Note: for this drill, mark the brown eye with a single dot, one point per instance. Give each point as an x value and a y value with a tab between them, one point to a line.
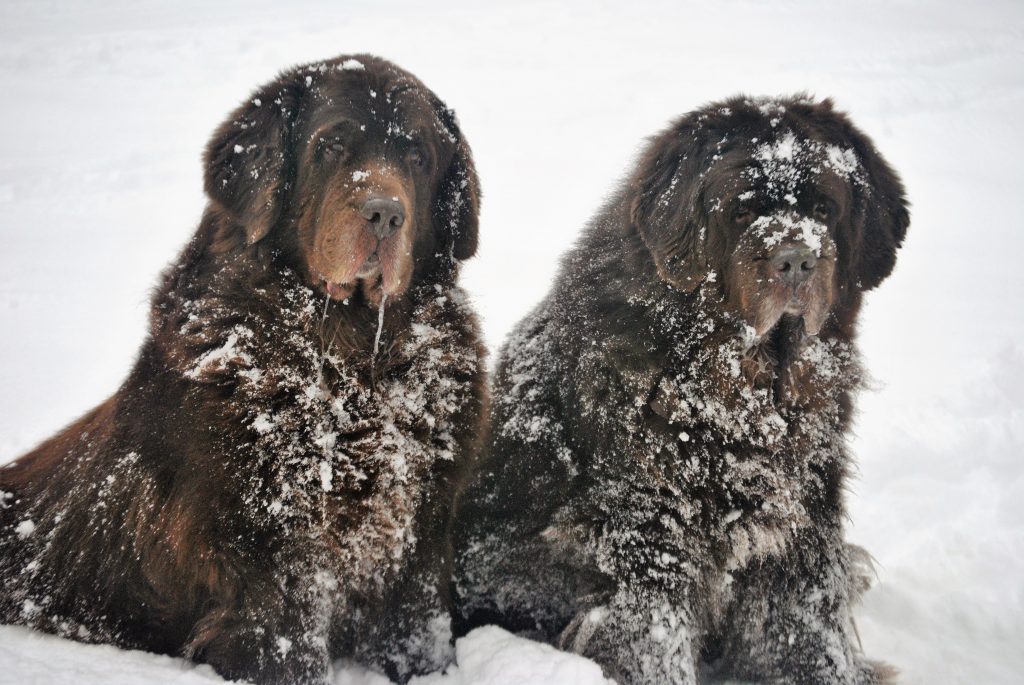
743	215
417	158
822	211
332	148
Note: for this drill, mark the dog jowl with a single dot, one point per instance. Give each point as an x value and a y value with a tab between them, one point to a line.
271	486
663	485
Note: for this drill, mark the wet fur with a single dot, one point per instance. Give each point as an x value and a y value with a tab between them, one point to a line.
262	493
662	489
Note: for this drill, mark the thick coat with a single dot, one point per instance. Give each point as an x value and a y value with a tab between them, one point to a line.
272	485
662	489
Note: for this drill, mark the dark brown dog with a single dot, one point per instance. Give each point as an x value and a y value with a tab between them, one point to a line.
271	486
664	483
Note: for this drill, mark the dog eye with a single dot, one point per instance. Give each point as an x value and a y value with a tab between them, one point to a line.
333	148
743	215
822	211
417	158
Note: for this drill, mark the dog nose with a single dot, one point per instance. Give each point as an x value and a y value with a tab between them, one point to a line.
794	264
385	216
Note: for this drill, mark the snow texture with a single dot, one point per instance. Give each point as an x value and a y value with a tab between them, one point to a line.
643	545
108	105
487	656
341	470
800	229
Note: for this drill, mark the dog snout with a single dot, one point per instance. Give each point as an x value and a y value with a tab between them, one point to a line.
385	216
793	264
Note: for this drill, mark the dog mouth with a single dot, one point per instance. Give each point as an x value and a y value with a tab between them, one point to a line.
792	305
763	294
789	318
369	268
336	291
797	304
369	276
800	308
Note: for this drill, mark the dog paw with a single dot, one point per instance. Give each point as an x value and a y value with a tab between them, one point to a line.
877	673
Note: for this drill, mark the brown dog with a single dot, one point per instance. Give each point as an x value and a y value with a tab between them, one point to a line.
664	484
271	486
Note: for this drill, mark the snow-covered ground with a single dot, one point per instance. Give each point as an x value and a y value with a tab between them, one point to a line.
106	106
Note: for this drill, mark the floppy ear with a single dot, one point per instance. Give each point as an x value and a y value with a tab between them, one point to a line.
882	212
457	205
662	208
245	160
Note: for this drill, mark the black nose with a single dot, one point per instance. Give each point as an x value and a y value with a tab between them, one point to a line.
793	264
385	216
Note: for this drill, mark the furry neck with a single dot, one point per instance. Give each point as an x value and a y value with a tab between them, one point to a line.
785	368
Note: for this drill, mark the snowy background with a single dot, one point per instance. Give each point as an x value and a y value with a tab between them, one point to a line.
107	105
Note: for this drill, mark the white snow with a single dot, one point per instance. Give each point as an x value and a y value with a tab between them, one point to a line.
221	357
841	160
488	656
326	476
101	185
802	229
263	423
25	528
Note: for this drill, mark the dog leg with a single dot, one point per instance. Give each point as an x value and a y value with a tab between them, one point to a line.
638	638
414	636
275	633
792	622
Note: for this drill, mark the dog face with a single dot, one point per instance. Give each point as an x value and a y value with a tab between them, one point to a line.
782	204
355	169
775	207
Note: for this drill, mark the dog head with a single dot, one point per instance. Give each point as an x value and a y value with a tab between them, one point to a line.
781	204
354	170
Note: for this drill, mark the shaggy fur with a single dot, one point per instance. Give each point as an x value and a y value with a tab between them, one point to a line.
271	487
663	487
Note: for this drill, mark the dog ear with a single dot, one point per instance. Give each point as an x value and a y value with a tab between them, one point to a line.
663	205
245	160
882	210
457	204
